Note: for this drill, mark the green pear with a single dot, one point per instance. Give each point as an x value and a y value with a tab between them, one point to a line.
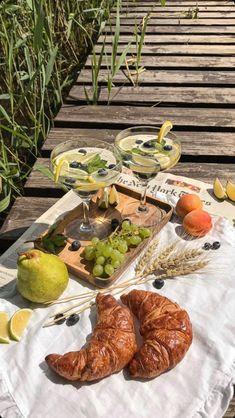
41	277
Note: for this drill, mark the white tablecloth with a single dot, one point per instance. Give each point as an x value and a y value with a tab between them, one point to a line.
200	386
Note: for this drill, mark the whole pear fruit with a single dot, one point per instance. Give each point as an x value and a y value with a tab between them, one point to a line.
41	277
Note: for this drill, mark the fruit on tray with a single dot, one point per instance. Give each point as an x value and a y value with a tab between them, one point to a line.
218	189
109	254
197	223
4	335
108	197
41	277
110	348
166	330
19	322
230	190
104	199
187	203
113	196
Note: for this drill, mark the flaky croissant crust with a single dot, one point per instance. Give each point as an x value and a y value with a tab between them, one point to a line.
111	347
166	331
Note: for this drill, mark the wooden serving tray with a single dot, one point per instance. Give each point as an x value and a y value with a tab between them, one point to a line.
160	214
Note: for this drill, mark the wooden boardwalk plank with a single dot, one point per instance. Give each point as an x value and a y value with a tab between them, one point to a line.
23	213
175	15
175	39
172	77
202	143
170	62
162	49
186	117
174	8
169	95
162	22
176	29
186	3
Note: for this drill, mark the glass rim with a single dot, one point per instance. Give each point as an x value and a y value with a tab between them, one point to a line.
147	127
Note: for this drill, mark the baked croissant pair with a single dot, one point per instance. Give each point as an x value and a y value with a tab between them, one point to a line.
165	327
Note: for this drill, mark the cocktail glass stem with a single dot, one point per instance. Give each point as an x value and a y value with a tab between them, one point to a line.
142	206
86	225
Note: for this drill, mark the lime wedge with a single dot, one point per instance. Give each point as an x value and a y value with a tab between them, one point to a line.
19	322
4	336
165	128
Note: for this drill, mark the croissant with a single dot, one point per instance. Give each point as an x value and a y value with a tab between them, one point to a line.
166	331
111	347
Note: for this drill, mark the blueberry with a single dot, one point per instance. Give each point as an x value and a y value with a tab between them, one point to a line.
74	164
167	147
114	224
103	172
111	166
69	180
215	245
61	321
75	245
158	283
83	151
207	246
149	144
139	141
72	320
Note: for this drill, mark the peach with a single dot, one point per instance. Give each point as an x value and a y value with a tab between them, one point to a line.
187	203
197	223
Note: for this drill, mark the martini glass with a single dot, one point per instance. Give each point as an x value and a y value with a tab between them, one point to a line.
145	157
86	166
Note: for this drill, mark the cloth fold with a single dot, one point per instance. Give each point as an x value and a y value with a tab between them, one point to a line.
199	386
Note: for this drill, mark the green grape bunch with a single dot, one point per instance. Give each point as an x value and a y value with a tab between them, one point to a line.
109	254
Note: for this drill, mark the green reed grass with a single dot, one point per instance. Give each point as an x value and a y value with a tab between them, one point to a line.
42	45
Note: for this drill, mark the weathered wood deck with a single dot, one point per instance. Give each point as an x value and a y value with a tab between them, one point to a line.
189	78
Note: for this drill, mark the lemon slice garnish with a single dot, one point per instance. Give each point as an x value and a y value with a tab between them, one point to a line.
61	164
19	322
4	336
230	190
165	128
218	189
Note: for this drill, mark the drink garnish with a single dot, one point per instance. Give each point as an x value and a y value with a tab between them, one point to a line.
165	128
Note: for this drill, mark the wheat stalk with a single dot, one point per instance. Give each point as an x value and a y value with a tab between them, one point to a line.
179	258
146	257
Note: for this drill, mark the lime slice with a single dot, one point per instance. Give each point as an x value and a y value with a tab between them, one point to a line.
126	144
151	150
142	160
4	336
19	322
165	128
87	187
164	161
